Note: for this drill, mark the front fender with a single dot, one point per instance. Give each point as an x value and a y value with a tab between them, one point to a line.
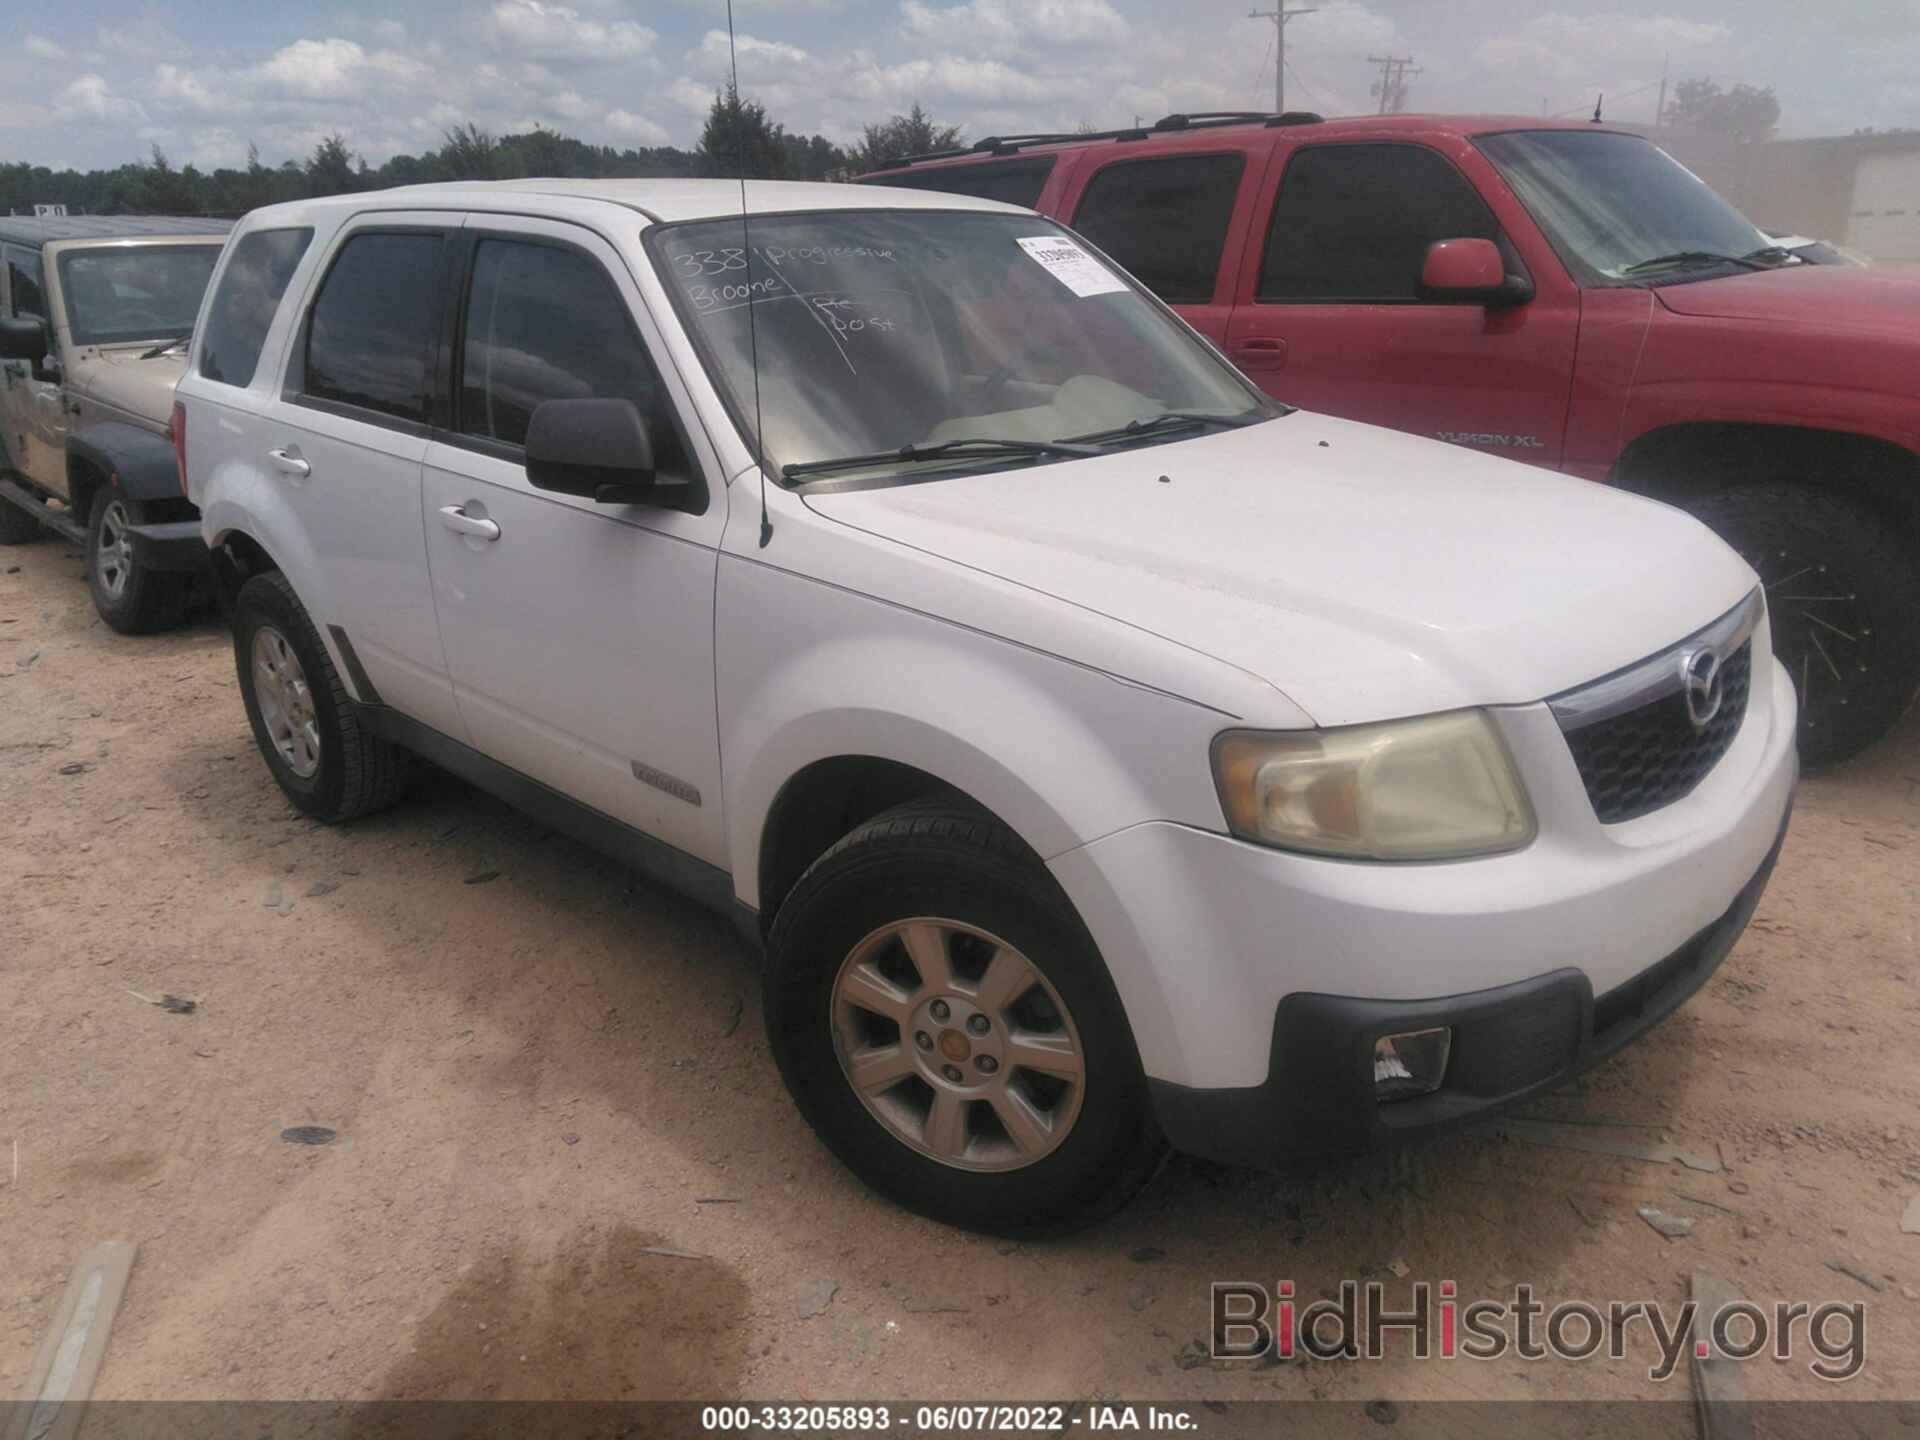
141	461
1060	752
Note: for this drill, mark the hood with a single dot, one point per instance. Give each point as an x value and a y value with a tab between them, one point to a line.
1364	573
1833	297
121	379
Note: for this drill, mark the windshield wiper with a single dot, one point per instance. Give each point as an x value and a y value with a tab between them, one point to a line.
1698	257
1165	420
166	345
973	445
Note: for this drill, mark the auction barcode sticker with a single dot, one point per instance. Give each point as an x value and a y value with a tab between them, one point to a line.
1070	265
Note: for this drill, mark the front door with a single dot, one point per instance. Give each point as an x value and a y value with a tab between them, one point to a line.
36	425
1331	316
579	635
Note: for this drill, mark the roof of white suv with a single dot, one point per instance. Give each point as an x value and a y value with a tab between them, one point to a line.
660	200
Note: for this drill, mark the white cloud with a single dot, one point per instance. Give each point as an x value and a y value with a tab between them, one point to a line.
173	84
756	55
629	126
542	30
691	95
1005	25
42	48
1564	47
91	98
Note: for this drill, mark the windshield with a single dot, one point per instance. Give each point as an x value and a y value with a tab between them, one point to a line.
1611	202
134	292
884	329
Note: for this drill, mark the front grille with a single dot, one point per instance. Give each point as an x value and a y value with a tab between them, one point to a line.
1634	763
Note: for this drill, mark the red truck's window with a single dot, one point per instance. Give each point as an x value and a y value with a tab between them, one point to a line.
1165	220
1353	223
1013	182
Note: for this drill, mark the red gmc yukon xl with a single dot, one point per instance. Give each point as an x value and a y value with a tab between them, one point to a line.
1564	294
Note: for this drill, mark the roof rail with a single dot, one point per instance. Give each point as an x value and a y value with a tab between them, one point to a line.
1190	120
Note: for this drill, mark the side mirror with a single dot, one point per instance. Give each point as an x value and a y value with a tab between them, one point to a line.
599	450
1471	270
23	339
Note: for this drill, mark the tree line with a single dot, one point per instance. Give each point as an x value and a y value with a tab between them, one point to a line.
739	138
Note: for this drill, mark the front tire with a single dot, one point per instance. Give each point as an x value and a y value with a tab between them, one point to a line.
130	597
948	1029
1843	597
323	757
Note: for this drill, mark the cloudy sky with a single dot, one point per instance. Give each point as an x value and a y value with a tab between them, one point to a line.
95	82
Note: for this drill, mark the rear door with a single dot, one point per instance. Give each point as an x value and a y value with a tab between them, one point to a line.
579	635
36	423
1330	315
340	446
1176	221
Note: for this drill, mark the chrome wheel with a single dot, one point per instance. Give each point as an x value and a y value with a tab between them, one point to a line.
113	551
957	1045
286	703
1821	630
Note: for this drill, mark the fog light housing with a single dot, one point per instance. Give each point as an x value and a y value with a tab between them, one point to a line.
1414	1062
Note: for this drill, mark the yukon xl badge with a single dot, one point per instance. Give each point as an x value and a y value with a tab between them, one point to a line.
1703	684
1492	439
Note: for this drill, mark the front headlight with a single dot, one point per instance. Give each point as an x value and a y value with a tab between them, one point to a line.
1435	788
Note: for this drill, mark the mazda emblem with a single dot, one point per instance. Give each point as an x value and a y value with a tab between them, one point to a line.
1703	685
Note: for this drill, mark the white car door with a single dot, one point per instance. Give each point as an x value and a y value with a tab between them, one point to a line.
341	443
579	635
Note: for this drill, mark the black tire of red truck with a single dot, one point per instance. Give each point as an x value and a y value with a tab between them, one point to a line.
1843	599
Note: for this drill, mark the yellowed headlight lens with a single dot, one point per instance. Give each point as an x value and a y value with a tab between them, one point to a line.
1435	788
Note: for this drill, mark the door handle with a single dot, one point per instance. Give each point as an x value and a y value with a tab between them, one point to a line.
461	523
1261	352
289	461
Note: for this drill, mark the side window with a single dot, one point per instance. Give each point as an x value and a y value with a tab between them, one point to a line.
371	330
1353	222
1165	220
23	279
1016	182
250	290
546	323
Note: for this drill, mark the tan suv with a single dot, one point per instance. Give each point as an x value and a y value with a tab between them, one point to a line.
95	312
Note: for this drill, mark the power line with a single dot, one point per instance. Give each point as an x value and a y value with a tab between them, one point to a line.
1280	15
1319	100
1391	87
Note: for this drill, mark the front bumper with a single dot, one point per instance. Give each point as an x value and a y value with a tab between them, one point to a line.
176	546
1509	1043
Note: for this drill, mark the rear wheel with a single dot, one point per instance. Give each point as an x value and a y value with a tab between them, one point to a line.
1843	596
949	1031
130	597
325	759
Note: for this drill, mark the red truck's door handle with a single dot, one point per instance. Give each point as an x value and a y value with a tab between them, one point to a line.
1260	352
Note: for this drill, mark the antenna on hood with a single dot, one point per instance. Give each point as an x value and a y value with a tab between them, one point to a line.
1597	100
746	245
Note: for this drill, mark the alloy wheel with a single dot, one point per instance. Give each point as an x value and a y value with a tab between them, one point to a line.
286	702
958	1045
113	552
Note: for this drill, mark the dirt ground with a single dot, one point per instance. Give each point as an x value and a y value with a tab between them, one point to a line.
543	1071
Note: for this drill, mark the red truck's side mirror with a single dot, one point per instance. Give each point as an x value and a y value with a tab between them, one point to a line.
1471	270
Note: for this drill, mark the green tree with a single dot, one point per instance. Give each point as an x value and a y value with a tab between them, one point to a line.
739	140
330	169
913	133
1748	111
469	153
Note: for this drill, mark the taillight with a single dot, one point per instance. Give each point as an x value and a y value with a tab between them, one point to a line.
177	428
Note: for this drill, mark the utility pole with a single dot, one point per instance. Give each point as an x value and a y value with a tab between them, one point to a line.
1392	85
1660	110
1280	15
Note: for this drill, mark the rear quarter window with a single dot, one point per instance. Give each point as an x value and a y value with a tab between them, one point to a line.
1012	182
250	291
